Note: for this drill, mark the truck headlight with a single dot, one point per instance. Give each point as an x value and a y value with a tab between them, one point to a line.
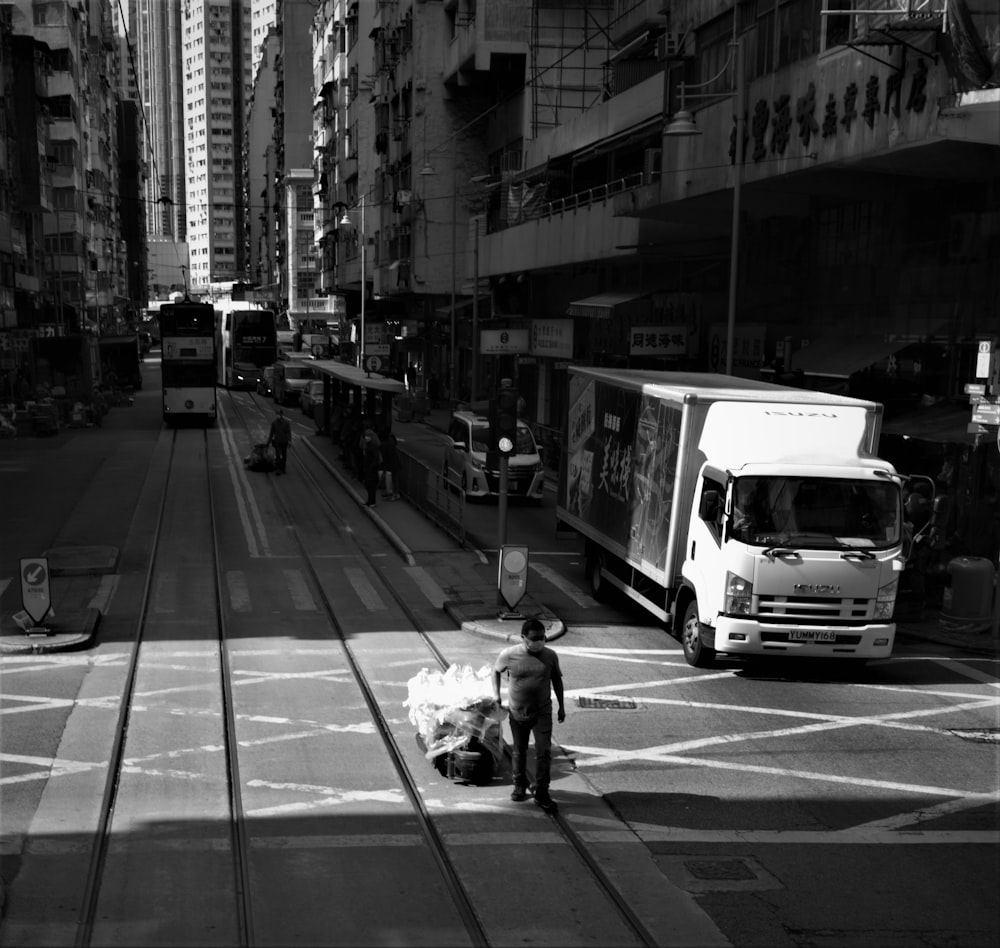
739	592
886	601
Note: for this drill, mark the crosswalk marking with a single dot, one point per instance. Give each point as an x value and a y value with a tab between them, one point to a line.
165	592
547	573
239	594
298	589
366	592
426	584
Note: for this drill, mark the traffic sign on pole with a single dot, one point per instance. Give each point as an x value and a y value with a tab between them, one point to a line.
35	595
512	576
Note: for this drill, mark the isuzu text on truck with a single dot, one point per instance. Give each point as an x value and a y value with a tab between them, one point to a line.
750	518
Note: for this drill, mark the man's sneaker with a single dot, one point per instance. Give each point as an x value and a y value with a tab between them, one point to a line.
546	802
519	794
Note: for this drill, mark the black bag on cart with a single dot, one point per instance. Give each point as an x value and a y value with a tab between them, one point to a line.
261	458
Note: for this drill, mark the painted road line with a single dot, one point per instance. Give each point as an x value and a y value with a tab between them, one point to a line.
425	583
366	592
239	593
554	577
298	589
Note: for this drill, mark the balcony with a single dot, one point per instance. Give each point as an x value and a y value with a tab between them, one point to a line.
479	37
574	229
634	17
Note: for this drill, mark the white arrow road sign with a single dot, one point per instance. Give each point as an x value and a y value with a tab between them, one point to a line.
35	595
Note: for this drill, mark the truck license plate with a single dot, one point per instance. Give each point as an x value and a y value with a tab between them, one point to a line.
812	635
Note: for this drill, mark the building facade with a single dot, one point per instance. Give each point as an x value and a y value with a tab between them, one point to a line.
217	85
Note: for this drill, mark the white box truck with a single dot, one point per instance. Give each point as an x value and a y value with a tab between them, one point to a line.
750	518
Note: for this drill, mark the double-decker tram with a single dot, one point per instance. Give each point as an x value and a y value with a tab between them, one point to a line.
247	341
187	338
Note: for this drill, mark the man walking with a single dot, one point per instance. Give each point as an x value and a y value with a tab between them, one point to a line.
281	437
533	674
371	461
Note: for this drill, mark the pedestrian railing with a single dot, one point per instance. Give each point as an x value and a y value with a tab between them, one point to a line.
425	489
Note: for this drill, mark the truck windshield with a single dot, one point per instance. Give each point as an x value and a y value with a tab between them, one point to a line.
816	512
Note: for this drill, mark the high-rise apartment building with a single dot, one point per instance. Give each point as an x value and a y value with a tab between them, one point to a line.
217	81
155	37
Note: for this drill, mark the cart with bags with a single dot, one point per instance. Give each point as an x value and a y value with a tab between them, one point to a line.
261	458
458	721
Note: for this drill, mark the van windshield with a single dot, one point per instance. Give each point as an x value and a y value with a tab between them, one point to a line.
816	512
298	372
481	439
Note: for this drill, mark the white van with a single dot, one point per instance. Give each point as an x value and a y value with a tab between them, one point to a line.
465	460
290	378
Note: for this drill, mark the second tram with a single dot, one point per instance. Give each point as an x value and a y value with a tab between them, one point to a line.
187	338
247	341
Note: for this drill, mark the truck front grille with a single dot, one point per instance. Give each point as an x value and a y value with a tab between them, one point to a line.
806	610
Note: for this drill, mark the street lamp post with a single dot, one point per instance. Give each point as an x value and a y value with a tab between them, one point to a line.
682	126
345	221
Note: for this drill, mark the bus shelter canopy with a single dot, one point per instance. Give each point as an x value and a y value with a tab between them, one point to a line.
353	375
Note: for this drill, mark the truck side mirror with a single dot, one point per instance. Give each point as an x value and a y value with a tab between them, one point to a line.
939	511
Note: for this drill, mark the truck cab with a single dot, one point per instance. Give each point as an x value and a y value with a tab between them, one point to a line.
810	559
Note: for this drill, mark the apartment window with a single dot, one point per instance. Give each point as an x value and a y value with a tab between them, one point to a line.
49	14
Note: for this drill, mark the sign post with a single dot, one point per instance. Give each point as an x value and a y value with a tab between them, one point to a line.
35	594
512	578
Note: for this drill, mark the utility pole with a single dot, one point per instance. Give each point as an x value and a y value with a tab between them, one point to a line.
475	315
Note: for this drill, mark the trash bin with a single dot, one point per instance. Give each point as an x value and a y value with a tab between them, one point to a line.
968	592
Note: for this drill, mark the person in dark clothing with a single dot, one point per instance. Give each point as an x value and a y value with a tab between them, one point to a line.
280	436
533	673
372	460
390	465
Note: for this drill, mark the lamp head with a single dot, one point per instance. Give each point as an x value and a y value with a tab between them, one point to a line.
427	169
682	125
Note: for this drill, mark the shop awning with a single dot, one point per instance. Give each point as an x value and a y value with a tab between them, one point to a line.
604	305
945	423
843	355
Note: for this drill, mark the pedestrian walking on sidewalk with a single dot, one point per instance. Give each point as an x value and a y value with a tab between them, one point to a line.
280	436
372	459
533	673
390	464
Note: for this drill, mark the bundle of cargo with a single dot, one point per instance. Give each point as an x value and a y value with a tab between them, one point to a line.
458	721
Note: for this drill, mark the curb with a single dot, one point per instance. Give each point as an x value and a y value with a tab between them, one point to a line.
86	623
473	616
391	534
81	560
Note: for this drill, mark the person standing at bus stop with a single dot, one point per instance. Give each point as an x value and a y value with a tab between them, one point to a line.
533	674
281	437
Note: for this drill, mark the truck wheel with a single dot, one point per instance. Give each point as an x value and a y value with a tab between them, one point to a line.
695	651
600	588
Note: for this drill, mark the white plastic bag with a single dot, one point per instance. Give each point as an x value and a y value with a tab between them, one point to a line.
450	709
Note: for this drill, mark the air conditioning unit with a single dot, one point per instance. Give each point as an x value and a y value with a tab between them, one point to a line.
675	46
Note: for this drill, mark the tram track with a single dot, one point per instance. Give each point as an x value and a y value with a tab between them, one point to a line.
92	909
442	856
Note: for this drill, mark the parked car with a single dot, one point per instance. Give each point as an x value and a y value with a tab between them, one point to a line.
265	384
466	464
290	378
312	395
